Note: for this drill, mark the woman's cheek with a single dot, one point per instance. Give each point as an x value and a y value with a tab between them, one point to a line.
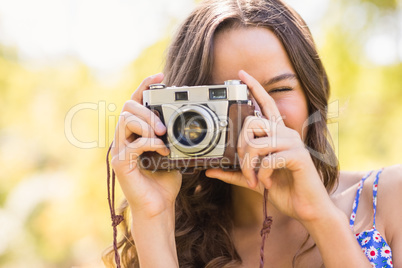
294	113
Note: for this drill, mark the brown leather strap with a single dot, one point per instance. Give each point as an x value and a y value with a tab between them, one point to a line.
116	219
266	227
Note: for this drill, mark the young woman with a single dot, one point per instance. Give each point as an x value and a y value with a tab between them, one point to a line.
321	217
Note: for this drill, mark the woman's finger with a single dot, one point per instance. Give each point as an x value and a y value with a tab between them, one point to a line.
133	150
266	169
252	127
249	149
231	177
288	160
146	115
137	126
128	125
121	134
248	165
257	127
154	79
252	158
266	103
260	147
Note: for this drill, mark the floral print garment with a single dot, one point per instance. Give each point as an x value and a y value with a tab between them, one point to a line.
373	244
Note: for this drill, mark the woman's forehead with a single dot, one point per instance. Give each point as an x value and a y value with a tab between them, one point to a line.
254	49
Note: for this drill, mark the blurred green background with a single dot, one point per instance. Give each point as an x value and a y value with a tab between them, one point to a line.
58	112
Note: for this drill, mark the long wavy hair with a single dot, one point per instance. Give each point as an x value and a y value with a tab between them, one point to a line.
203	206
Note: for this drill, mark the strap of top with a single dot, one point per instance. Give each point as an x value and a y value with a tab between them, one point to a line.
375	188
357	198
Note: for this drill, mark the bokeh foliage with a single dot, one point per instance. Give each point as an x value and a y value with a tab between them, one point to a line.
53	194
369	94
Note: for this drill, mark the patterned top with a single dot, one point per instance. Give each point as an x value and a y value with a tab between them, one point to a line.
373	244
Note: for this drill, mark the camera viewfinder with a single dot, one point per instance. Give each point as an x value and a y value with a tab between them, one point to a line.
217	93
181	95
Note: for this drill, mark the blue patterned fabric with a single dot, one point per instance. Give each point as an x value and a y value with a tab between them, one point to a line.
373	244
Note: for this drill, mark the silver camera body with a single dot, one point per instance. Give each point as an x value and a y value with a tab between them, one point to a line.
199	124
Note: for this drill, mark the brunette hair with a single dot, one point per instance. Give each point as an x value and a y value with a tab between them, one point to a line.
203	206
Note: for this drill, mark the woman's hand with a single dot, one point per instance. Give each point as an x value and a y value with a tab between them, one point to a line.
295	187
284	164
149	193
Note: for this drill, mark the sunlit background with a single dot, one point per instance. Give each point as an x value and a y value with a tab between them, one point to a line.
67	66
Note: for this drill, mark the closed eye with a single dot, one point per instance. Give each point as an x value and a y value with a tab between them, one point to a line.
281	89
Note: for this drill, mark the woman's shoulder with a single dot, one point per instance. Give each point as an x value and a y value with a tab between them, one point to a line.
390	179
389	200
389	196
389	216
348	180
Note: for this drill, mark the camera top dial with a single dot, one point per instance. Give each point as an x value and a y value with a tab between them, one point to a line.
157	86
232	82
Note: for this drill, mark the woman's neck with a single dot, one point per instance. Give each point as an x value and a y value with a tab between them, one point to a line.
285	239
248	208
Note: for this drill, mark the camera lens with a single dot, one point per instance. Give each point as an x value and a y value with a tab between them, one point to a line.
190	128
193	130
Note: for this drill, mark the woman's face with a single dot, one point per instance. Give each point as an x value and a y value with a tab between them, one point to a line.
260	53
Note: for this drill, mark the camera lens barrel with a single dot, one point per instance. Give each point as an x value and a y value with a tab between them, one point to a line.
194	129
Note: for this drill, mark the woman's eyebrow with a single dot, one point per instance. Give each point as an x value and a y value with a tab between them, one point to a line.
279	78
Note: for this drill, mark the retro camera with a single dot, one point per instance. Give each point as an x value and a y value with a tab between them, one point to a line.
203	124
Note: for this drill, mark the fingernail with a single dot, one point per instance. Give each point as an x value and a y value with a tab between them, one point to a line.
155	75
167	151
160	127
244	72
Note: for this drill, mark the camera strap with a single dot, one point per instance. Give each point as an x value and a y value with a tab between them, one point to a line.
266	227
116	219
